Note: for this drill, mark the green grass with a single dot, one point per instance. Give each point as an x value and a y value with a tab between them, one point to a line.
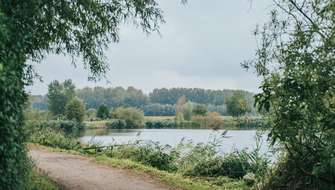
173	180
41	182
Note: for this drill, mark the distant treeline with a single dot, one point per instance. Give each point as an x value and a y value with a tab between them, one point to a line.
158	102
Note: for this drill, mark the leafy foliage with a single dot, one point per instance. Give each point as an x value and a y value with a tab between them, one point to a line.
75	110
199	110
103	112
117	124
133	117
52	137
296	59
30	29
59	95
237	104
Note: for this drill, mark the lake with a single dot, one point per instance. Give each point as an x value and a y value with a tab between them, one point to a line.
234	139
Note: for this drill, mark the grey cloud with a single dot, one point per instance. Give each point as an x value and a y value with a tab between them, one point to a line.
201	45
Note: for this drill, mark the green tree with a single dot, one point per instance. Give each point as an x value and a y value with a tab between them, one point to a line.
32	28
296	60
103	112
59	94
199	109
75	110
133	117
237	104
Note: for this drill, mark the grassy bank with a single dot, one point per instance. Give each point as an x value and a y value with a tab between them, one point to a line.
39	181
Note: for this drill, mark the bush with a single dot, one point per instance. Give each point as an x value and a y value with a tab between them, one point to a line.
234	165
286	175
116	124
149	154
199	109
68	127
103	112
213	120
75	110
133	117
53	138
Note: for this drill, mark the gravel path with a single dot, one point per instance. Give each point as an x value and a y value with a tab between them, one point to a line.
75	172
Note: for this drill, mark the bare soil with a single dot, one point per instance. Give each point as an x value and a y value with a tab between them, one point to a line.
75	172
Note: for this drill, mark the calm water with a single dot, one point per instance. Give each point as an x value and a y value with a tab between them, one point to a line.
234	139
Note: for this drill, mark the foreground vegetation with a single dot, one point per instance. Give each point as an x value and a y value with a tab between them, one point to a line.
39	181
187	166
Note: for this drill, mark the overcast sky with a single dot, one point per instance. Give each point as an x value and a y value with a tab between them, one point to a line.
201	45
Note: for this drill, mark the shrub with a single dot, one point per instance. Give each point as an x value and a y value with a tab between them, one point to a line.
68	127
103	112
149	154
233	165
203	160
53	138
75	110
116	124
133	117
213	120
199	109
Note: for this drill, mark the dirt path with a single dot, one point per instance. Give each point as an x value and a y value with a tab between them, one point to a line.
81	173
